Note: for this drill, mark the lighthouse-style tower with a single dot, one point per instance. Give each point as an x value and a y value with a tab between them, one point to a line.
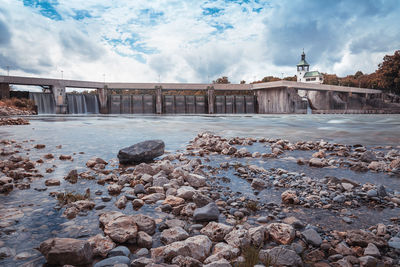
304	75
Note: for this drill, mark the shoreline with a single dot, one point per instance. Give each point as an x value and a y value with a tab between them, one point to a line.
207	172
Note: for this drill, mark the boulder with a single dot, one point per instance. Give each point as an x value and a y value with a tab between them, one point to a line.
145	223
72	177
144	240
377	166
363	238
52	182
372	250
281	256
196	180
216	231
141	152
186	261
101	245
121	229
316	162
113	261
282	233
173	234
207	213
312	237
119	251
66	251
197	247
185	192
290	197
257	235
173	201
219	263
368	156
239	238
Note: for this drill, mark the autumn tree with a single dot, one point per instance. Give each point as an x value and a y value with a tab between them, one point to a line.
389	72
222	80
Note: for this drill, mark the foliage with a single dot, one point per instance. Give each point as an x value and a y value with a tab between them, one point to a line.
252	205
20	103
242	82
389	72
251	257
222	80
387	77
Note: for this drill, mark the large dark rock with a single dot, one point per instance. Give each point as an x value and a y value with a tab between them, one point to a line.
141	152
66	251
207	213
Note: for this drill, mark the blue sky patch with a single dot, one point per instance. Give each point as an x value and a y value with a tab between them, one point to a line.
81	14
212	11
46	8
221	27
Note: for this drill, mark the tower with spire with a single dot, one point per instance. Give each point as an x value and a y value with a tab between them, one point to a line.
304	75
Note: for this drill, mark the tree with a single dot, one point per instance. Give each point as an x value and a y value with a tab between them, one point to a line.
242	82
389	72
222	80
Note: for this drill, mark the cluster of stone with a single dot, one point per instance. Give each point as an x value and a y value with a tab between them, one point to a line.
13	121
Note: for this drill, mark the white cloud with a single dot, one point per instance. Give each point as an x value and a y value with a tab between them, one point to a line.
189	41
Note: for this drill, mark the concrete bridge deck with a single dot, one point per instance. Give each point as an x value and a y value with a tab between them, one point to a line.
18	80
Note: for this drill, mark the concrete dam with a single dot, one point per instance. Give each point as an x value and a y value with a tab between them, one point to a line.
280	97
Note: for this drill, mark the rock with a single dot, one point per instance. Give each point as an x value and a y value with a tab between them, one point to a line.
160	181
223	250
372	193
114	189
293	221
339	199
142	262
153	198
368	261
347	186
368	156
39	146
372	250
141	152
320	154
6	252
316	162
173	234
121	229
219	263
145	223
196	180
281	233
6	180
185	192
144	240
280	256
257	183
395	164
113	261
72	176
101	245
312	237
239	238
201	200
290	197
186	261
197	247
381	191
121	202
207	213
216	231
66	251
139	189
394	242
119	251
137	203
52	182
257	235
363	238
142	252
94	161
173	201
377	166
65	157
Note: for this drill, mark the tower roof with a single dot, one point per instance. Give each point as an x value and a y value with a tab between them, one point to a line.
303	61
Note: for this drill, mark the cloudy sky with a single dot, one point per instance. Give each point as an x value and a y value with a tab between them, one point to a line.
193	40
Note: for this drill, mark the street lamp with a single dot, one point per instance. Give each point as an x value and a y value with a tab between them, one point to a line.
8	70
62	74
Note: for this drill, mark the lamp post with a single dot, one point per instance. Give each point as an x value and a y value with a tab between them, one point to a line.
62	74
8	70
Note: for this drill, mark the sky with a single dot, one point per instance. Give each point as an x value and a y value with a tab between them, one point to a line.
193	41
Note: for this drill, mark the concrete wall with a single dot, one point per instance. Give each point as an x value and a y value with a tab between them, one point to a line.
280	100
4	90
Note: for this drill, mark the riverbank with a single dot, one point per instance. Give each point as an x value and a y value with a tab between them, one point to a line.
15	107
270	197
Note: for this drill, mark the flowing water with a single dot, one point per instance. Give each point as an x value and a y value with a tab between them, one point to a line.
82	104
44	101
103	136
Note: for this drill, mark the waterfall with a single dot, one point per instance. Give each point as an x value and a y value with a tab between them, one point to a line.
44	102
309	110
82	104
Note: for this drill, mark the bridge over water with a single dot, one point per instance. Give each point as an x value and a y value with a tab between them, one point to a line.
271	97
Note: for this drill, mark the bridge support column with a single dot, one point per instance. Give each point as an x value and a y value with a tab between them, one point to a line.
211	99
103	99
60	98
4	90
158	99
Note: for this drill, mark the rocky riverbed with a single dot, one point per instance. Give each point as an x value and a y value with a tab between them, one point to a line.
221	202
